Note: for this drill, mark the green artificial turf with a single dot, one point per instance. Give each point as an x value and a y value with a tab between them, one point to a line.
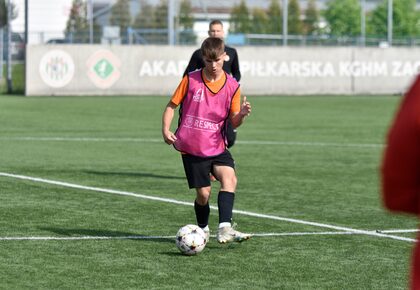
308	177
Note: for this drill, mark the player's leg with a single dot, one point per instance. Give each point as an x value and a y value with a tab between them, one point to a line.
223	169
202	209
197	170
227	177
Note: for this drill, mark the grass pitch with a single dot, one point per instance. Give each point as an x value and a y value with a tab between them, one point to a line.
110	196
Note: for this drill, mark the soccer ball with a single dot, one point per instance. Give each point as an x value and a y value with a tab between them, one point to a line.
190	240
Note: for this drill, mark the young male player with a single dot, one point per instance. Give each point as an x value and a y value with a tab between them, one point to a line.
208	98
230	66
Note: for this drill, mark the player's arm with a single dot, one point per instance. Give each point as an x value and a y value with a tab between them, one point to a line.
168	115
236	117
169	112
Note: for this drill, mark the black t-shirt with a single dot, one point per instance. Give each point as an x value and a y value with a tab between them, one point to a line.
231	65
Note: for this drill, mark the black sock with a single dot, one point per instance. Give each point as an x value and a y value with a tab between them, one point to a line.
202	213
225	203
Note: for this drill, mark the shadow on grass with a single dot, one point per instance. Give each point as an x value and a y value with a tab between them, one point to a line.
92	233
212	246
133	174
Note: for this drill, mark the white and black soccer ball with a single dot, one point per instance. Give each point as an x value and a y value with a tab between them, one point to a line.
190	240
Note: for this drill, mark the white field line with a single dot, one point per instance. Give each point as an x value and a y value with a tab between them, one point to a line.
398	231
141	237
319	144
173	201
152	140
85	238
138	237
82	139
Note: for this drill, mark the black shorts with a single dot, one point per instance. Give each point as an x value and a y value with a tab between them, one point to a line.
198	169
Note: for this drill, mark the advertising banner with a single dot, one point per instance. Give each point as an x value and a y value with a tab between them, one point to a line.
157	70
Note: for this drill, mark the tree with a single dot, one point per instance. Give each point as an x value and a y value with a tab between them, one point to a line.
120	16
259	21
161	15
275	24
294	23
239	19
77	24
343	17
310	23
151	23
418	21
146	17
186	19
186	23
3	13
405	19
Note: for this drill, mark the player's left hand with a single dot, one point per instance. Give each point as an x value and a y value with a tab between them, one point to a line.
245	108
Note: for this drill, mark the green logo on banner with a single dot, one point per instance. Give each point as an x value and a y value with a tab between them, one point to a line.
103	68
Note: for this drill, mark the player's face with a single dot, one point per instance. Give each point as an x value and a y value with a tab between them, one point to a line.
214	67
216	30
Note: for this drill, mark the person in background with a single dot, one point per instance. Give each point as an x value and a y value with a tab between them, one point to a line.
400	171
207	98
230	66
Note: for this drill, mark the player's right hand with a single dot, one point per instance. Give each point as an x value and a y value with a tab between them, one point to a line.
169	137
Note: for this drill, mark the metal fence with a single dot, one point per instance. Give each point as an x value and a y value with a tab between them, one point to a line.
327	40
160	37
54	26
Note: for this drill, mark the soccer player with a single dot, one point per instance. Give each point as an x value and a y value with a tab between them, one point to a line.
207	98
230	65
401	166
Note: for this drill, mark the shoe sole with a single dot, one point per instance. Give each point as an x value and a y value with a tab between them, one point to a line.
236	240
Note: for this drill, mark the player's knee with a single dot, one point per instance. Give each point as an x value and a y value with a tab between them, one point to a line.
203	196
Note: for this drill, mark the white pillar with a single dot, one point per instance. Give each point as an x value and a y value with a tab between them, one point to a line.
90	17
363	23
9	47
285	17
171	22
390	22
